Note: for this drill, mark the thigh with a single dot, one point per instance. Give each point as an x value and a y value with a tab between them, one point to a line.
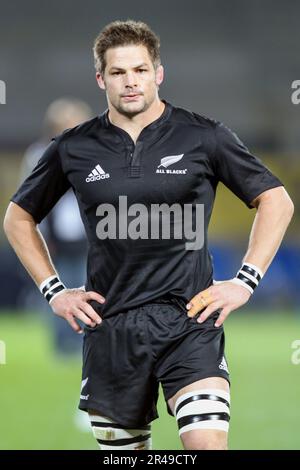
209	383
202	410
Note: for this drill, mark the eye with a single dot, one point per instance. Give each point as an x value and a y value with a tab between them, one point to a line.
142	70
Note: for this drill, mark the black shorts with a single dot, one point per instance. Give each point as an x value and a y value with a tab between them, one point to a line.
128	355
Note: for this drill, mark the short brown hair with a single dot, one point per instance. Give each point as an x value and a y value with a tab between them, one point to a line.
123	33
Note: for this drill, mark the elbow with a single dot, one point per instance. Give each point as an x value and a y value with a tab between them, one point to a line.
7	223
288	208
278	201
292	209
14	220
286	211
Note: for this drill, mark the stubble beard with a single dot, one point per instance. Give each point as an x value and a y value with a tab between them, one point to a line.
124	108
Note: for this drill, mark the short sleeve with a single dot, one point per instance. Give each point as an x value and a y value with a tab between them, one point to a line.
243	173
44	186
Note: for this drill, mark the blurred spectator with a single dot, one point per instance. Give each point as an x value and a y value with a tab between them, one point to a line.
63	228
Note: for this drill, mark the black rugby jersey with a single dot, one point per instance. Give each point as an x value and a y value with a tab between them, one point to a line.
178	159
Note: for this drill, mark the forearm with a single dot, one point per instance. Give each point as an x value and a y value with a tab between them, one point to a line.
30	247
28	243
274	213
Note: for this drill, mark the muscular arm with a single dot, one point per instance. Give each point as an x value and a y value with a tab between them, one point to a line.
29	245
274	212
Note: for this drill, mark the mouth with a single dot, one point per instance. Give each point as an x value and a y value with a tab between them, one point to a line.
131	96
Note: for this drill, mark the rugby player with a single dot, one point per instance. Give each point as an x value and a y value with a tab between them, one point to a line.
151	312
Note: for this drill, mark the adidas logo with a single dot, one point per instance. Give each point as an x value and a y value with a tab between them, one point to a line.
170	160
97	174
223	365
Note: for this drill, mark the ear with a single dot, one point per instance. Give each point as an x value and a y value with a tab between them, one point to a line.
100	80
159	75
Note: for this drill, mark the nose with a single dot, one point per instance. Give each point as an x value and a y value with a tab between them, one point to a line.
130	80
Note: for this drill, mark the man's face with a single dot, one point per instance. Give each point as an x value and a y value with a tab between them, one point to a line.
130	80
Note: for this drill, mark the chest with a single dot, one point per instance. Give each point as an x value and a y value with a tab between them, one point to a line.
167	169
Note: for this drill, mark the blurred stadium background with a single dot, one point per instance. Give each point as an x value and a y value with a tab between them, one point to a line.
234	61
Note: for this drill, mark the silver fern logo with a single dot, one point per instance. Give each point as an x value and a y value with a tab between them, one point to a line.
170	160
167	161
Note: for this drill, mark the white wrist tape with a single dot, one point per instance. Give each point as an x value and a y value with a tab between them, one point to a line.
248	276
51	288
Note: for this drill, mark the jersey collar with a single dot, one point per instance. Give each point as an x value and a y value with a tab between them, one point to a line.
153	125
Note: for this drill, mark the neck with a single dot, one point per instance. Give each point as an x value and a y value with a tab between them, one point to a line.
135	124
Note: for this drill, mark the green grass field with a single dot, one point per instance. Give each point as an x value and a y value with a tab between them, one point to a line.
39	391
